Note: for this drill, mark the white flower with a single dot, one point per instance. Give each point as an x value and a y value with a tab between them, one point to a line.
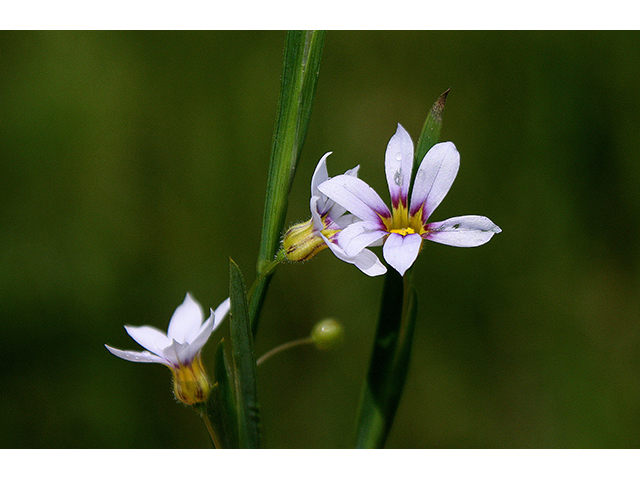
403	228
304	240
179	349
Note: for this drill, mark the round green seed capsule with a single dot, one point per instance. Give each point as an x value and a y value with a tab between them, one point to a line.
327	334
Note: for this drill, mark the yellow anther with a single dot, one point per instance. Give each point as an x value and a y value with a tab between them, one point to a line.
403	231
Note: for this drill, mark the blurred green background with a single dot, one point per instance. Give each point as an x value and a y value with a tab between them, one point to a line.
134	164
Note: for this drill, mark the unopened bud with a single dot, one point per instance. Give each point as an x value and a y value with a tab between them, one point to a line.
302	242
327	334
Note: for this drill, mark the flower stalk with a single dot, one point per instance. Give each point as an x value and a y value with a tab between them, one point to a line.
327	334
215	438
285	346
391	351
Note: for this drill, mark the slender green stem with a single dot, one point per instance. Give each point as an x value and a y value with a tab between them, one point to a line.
212	433
268	270
283	347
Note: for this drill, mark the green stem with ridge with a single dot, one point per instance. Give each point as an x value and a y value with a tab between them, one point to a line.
389	361
211	430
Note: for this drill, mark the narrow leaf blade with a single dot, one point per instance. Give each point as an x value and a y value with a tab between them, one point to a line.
221	407
430	130
389	362
303	50
244	362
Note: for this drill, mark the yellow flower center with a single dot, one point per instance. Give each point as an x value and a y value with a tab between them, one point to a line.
404	224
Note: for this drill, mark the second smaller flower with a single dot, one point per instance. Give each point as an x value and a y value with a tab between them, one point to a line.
304	240
179	349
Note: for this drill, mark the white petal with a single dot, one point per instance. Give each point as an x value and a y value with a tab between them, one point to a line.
353	172
398	163
465	231
377	243
435	176
401	251
149	337
141	357
315	214
369	263
333	210
344	221
320	175
358	236
186	321
324	205
221	312
356	196
366	260
199	342
175	353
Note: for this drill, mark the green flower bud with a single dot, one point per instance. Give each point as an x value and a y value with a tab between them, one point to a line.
302	242
327	334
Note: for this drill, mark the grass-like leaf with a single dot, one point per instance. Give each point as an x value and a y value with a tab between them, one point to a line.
244	362
430	130
389	361
301	69
221	406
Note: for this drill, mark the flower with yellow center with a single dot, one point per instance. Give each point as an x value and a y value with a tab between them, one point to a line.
403	228
305	240
179	349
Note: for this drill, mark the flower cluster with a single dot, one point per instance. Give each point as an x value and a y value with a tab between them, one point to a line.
402	229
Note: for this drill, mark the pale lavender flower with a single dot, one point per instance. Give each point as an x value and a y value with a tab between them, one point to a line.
403	228
179	349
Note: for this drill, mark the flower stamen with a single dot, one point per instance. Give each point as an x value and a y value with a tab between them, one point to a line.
403	231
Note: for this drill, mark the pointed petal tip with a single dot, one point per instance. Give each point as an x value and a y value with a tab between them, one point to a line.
320	174
323	159
221	311
401	130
